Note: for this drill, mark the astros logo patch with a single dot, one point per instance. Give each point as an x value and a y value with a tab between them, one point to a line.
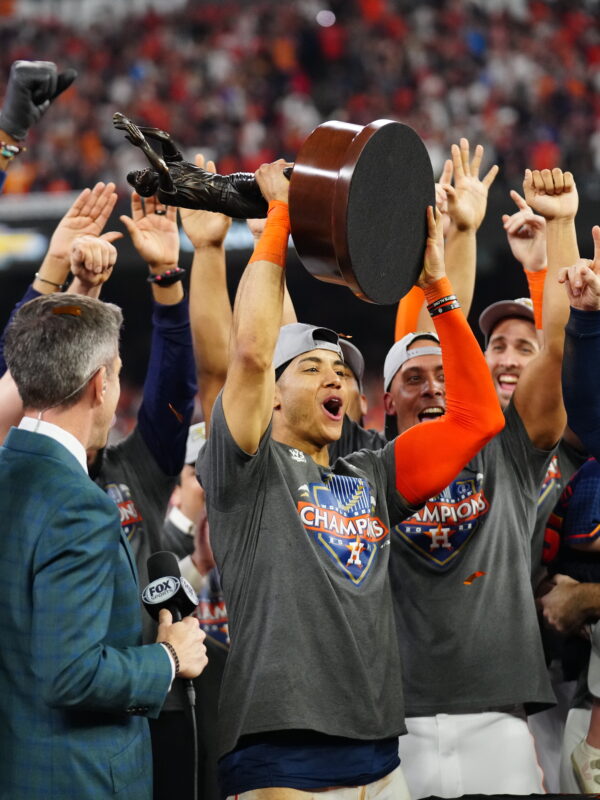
338	516
439	531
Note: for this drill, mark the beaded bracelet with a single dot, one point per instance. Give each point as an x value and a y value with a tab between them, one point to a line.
9	151
171	650
167	278
59	286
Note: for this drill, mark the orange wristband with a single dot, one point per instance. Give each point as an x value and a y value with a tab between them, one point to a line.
535	281
273	243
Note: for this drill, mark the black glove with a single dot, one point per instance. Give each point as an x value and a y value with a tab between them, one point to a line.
32	86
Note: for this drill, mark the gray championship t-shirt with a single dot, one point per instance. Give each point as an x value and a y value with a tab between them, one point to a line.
460	568
303	554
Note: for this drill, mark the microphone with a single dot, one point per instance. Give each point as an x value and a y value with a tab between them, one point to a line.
167	588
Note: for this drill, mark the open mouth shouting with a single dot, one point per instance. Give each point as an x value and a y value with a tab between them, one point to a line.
507	381
333	407
431	412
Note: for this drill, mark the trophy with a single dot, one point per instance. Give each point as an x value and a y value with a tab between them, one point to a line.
358	200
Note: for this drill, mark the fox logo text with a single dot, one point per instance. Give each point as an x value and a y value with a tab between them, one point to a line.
160	590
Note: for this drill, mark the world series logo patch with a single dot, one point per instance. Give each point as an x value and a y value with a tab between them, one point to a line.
440	530
339	515
131	518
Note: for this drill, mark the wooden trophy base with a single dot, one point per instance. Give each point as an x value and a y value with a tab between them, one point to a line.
358	201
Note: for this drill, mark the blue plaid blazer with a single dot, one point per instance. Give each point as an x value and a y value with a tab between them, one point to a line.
75	684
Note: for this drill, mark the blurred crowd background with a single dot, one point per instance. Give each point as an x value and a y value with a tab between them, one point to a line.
246	82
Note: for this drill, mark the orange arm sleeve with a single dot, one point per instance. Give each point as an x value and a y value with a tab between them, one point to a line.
407	315
535	281
431	454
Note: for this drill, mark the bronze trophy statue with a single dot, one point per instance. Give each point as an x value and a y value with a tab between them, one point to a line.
358	199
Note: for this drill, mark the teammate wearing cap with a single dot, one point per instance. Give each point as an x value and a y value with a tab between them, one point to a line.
312	688
472	671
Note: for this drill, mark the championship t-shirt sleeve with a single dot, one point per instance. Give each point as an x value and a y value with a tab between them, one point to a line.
222	465
528	462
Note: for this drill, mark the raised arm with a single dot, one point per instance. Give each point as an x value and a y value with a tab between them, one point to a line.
87	216
466	203
580	375
91	261
32	87
170	386
249	387
210	307
538	396
430	455
526	235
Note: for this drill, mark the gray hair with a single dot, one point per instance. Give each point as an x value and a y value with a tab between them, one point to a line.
54	345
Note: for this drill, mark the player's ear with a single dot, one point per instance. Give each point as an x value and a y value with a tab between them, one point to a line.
364	406
388	404
99	384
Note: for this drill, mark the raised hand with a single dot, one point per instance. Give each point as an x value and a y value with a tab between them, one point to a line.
272	182
551	193
433	262
205	228
153	231
87	216
526	234
92	260
582	279
467	199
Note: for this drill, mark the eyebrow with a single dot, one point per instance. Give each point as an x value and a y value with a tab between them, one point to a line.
317	360
417	368
502	338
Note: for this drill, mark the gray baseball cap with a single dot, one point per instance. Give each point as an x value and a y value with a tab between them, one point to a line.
488	319
354	359
399	353
299	338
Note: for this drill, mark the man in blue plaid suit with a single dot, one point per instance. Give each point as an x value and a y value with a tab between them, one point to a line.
75	684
